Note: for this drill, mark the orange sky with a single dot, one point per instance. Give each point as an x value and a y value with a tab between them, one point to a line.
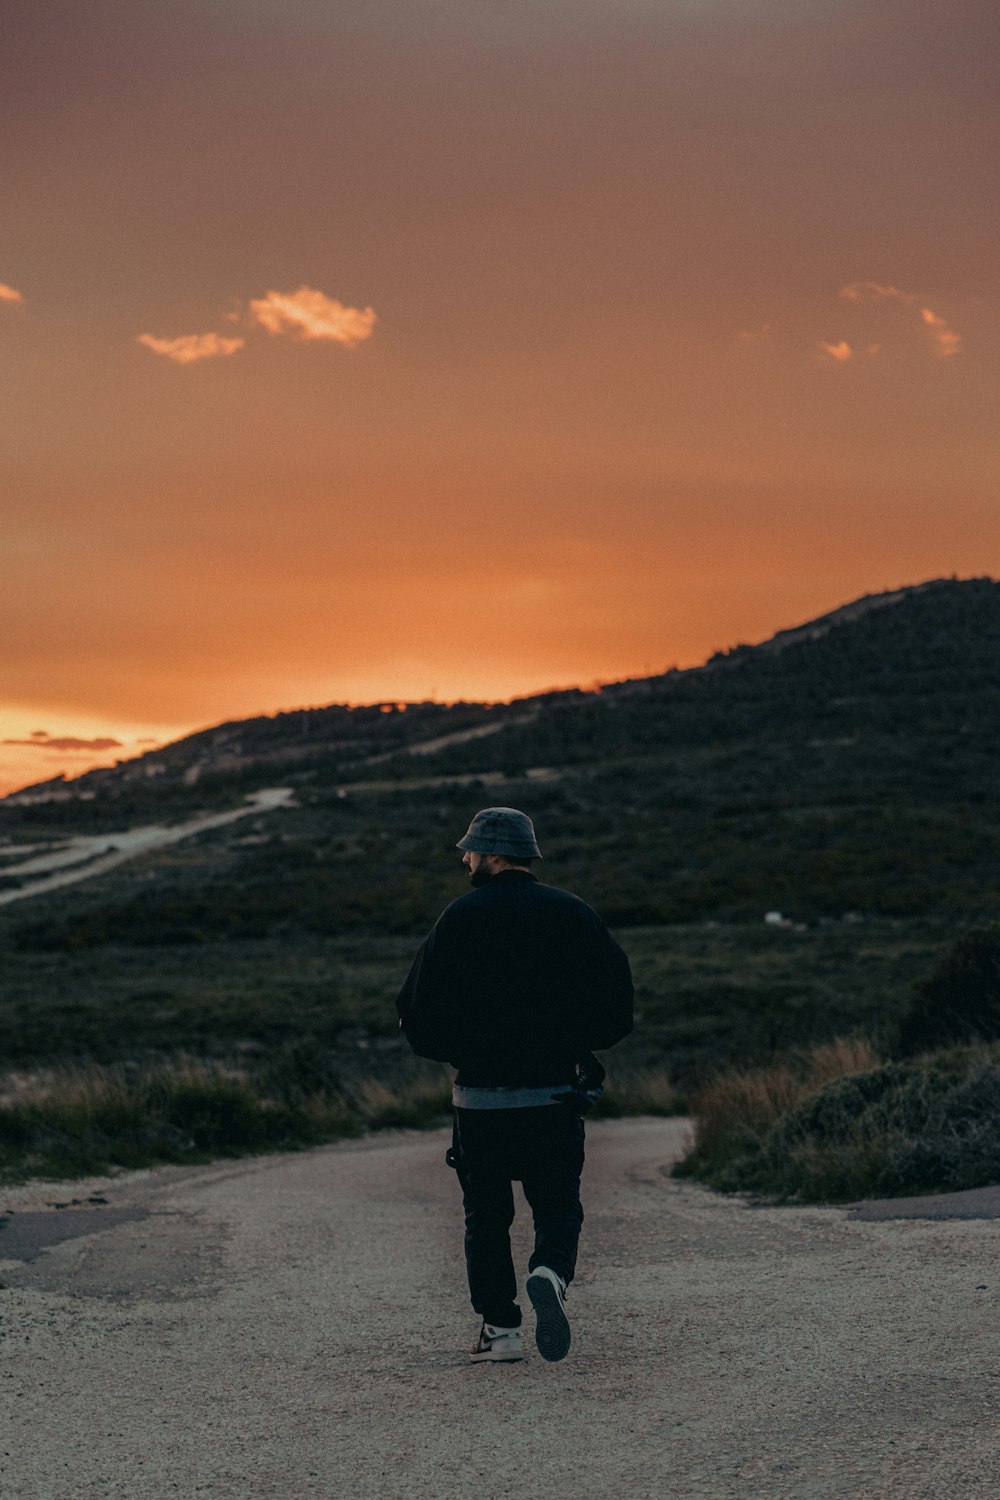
398	348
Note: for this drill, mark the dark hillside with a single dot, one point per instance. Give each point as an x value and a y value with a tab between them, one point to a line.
850	770
918	663
216	767
843	775
926	665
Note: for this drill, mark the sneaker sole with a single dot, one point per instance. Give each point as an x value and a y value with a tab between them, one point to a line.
552	1332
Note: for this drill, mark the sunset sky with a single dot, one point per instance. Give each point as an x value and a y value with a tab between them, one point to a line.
363	349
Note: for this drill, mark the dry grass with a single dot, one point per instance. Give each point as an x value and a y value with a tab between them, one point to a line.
66	1121
738	1109
640	1091
76	1120
60	1122
837	1124
418	1103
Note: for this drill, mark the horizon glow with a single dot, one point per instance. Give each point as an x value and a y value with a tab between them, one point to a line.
363	354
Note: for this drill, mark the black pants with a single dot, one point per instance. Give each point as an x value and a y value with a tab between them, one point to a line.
543	1150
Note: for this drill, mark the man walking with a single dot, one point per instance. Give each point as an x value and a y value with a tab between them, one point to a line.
515	985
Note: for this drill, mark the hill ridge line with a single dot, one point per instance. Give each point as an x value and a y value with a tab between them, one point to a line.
366	734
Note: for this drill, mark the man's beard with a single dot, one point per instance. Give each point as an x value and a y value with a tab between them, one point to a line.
480	875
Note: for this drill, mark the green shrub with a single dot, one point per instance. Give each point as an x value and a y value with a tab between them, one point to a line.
960	1001
91	1119
736	1112
638	1091
924	1126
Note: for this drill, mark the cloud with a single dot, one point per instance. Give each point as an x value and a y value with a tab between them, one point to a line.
190	347
841	352
310	315
305	314
871	291
8	294
42	741
946	341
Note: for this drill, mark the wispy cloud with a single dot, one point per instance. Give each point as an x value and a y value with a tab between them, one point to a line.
309	314
946	341
305	314
9	294
190	347
871	291
841	352
747	335
42	741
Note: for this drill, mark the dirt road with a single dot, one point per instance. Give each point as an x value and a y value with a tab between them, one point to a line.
87	855
296	1326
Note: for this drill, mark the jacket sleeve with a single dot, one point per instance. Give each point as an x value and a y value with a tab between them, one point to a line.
426	1003
612	1010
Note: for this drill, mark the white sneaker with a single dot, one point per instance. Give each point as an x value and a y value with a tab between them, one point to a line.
547	1291
497	1344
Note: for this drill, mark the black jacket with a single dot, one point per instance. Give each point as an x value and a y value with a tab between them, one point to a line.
516	981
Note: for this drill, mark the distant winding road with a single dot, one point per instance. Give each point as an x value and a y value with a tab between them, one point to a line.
87	855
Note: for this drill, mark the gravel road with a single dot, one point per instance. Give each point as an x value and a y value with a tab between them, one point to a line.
296	1326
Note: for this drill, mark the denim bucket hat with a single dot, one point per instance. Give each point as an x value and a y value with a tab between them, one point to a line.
501	830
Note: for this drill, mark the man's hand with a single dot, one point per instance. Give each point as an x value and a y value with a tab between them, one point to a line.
588	1088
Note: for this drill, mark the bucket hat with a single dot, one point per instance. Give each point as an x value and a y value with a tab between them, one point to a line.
501	830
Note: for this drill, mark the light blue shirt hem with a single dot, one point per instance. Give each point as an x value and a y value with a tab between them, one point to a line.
468	1098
